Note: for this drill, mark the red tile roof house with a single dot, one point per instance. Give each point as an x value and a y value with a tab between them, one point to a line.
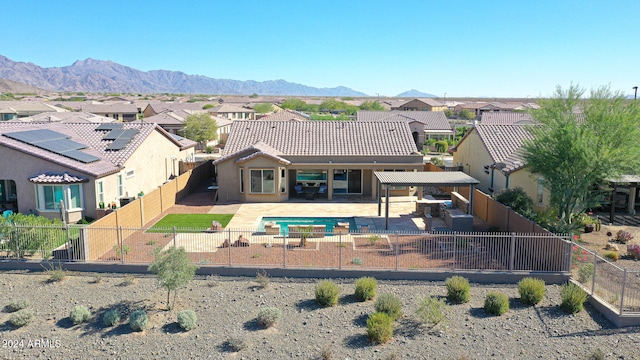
83	164
423	124
273	161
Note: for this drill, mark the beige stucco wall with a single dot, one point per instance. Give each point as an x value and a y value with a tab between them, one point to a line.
473	156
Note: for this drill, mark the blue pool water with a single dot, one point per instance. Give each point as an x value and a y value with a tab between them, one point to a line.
329	222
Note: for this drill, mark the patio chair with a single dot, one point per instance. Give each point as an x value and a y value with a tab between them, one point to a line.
298	189
322	191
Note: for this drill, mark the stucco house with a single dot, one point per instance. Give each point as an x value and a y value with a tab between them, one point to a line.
70	170
10	110
493	155
422	104
273	161
423	124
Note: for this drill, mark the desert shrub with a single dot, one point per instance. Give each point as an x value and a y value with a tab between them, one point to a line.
496	303
531	290
573	298
517	199
585	271
111	317
262	278
357	261
634	251
268	317
138	320
458	289
379	327
327	293
18	305
56	274
366	288
79	314
611	255
174	270
21	318
129	280
597	355
390	305
431	311
441	146
187	319
623	236
236	343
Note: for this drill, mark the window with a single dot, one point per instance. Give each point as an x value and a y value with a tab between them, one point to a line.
120	186
49	197
241	180
130	173
283	180
100	187
262	181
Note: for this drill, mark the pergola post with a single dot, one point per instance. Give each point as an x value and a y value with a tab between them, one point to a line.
471	191
379	198
386	211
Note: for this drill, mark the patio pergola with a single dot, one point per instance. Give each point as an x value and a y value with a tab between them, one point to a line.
631	181
431	178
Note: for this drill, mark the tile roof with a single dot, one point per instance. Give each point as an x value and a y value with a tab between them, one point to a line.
432	120
428	101
286	115
15	107
323	138
110	108
163	106
84	133
77	117
504	144
51	178
229	109
506	118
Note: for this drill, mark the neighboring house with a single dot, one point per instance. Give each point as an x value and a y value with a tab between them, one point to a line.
480	108
159	107
81	165
506	118
120	112
286	115
10	110
272	161
423	124
422	104
232	112
74	117
173	122
493	155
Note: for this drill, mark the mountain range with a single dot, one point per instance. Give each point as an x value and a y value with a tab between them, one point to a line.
416	94
94	76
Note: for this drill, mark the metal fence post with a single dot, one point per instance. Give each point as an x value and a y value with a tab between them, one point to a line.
284	248
69	245
121	245
455	249
624	284
512	252
339	250
229	247
175	234
593	276
397	254
15	227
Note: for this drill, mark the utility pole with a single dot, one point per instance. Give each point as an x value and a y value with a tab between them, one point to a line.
635	92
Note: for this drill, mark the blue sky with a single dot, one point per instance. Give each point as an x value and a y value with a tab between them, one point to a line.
508	48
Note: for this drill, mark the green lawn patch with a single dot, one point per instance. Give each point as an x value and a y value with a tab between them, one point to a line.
195	222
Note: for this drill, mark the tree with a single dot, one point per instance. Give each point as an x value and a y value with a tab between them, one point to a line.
466	114
580	142
200	128
174	270
448	113
371	106
518	200
263	108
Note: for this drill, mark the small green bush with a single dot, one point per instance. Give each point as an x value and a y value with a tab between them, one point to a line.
379	327
79	314
458	289
187	319
531	290
431	311
327	293
496	303
111	317
612	255
138	320
357	261
56	274
390	305
585	271
366	288
573	298
21	318
18	305
236	343
268	317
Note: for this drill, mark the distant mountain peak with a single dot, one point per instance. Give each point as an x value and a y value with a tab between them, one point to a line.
92	75
416	94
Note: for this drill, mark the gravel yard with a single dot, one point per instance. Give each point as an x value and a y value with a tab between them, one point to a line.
227	306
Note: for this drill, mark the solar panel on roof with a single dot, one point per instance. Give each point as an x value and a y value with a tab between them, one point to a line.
109	126
35	136
80	156
60	146
113	134
118	144
129	133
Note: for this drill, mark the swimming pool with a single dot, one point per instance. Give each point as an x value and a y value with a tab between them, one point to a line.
328	222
